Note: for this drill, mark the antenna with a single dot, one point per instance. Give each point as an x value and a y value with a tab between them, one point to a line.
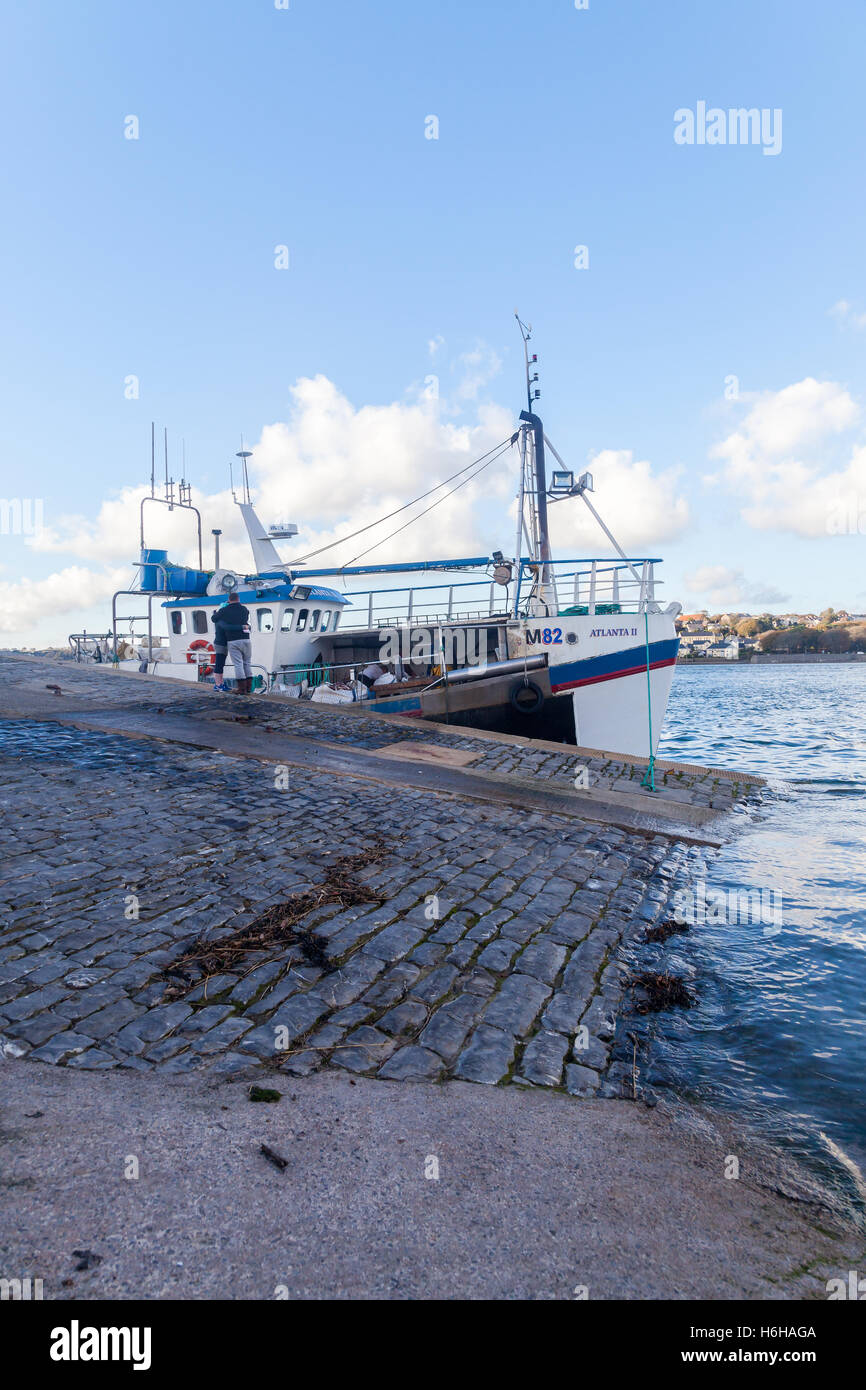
533	392
184	498
243	456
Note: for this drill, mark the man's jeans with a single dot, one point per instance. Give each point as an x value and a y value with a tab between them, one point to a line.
241	653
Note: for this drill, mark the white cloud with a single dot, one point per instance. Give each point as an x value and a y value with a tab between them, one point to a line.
478	368
332	461
641	507
845	313
777	460
26	602
333	468
723	587
794	419
115	531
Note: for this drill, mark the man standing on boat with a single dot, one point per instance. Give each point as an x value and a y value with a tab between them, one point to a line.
233	620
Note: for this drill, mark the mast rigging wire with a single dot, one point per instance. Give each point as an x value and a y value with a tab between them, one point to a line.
439	500
302	559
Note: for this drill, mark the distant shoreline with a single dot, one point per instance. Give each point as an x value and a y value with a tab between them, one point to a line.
803	659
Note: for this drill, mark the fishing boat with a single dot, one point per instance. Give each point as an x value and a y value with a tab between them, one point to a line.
579	651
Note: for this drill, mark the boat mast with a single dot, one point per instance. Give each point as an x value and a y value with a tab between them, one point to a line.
538	494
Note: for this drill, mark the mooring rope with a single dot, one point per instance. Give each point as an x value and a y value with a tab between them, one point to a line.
648	778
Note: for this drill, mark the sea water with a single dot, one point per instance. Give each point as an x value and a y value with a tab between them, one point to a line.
778	1031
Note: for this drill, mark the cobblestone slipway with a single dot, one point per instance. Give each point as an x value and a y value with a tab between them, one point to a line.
494	957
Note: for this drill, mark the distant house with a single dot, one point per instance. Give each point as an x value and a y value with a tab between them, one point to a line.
691	622
695	645
725	651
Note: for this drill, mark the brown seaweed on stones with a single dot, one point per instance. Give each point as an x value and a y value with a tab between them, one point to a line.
661	991
665	930
279	925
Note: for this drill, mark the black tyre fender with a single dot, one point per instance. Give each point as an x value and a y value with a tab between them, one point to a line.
526	697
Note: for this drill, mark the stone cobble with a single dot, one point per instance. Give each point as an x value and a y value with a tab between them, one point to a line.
493	956
353	727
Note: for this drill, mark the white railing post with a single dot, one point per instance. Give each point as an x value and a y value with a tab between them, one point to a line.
370	612
576	587
411	601
615	585
592	584
450	601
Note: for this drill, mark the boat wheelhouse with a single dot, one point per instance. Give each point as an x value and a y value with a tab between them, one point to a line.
286	620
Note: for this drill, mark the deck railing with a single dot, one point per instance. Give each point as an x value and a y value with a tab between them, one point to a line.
623	586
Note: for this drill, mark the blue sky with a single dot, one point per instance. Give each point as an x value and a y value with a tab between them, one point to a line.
305	127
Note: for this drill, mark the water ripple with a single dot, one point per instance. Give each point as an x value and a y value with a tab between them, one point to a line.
779	1031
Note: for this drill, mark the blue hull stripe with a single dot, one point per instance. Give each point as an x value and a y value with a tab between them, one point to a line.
572	674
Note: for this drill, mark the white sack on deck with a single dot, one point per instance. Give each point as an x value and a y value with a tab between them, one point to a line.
327	695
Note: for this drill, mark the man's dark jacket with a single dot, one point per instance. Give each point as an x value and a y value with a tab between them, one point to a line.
230	622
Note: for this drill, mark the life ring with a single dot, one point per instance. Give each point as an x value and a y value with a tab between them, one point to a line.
526	697
204	669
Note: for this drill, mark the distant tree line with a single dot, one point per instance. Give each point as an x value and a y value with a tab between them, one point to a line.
829	633
841	637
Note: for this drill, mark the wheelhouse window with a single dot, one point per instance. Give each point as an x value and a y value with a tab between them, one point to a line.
266	619
177	622
287	619
302	619
336	620
314	619
326	620
199	621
